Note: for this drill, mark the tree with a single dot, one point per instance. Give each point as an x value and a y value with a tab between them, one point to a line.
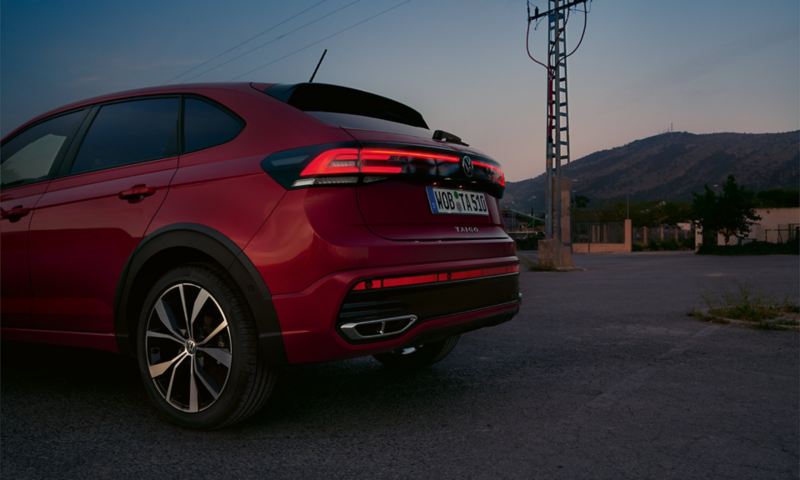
704	212
730	213
581	201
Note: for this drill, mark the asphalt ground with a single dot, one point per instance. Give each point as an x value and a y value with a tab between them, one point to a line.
602	375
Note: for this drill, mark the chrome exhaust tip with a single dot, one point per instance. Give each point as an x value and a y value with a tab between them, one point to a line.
376	329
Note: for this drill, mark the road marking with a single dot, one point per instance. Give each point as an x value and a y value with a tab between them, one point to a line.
641	376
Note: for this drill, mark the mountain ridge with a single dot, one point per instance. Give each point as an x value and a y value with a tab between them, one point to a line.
670	166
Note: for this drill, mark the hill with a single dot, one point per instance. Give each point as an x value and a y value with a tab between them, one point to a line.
671	166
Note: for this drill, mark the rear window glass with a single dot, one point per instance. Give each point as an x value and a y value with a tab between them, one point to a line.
130	132
206	124
359	122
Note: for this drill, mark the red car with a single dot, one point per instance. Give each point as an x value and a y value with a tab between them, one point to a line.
218	231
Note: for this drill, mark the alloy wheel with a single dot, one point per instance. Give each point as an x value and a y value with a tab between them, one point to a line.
188	347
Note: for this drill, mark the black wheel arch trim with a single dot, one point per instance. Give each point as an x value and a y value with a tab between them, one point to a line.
227	254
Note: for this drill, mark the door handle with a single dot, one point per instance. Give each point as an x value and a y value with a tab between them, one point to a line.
15	213
136	193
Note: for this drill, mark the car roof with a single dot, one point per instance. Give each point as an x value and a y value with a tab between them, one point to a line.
198	88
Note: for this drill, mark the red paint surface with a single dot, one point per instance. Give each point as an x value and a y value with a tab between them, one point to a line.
310	246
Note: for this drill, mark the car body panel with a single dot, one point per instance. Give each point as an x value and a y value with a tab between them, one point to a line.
15	270
81	237
299	250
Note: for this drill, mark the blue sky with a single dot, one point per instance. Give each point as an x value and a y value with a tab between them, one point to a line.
702	65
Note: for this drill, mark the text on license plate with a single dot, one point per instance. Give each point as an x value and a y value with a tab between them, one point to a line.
456	202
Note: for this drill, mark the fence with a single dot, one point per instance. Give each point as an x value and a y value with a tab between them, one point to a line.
601	237
662	233
591	232
782	233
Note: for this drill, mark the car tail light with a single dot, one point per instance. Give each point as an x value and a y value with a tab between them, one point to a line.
338	161
389	282
338	165
497	174
372	161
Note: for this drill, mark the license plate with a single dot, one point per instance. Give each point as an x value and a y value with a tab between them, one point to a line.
456	202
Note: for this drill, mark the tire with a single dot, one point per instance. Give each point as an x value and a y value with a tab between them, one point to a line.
201	364
417	357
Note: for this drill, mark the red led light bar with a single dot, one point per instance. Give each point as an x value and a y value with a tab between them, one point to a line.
497	172
409	154
405	281
339	161
382	161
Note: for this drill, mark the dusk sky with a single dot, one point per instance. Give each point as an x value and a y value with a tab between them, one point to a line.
702	65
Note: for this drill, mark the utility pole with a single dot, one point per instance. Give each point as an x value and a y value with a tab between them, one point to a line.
558	251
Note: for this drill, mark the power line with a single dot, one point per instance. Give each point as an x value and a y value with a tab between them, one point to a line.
265	65
557	146
585	11
274	39
583	32
528	46
260	34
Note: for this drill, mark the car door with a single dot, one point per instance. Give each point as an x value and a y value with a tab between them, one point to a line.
28	160
90	220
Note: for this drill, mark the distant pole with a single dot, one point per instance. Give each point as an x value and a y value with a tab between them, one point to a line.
311	80
627	205
557	148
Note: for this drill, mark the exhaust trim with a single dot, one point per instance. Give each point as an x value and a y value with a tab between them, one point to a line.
351	330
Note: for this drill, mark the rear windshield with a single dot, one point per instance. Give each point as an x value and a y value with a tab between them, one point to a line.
354	108
359	122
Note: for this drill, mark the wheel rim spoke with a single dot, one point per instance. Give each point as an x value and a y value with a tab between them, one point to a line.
161	311
192	388
160	368
183	308
222	326
207	383
199	301
220	355
172	377
166	336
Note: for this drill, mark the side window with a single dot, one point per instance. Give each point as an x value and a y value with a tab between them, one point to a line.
130	132
206	124
30	155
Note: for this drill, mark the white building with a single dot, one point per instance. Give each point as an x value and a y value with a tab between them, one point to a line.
777	225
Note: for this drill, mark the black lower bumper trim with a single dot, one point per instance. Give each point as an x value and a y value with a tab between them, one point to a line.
430	301
445	332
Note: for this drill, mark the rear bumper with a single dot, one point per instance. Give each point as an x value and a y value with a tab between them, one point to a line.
316	248
311	320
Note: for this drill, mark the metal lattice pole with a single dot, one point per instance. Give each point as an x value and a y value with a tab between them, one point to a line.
557	140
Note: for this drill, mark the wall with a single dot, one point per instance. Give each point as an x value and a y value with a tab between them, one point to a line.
626	246
764	230
773	219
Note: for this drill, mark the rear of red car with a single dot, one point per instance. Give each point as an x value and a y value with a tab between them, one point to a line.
217	230
386	240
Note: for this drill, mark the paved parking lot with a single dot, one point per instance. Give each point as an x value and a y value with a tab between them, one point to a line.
602	375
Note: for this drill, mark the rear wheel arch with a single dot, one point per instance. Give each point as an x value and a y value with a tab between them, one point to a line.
181	244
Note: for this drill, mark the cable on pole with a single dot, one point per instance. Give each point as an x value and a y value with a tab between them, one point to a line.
558	34
275	39
583	32
528	45
247	40
306	47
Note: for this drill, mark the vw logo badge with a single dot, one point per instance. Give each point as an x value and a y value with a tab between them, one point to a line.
466	165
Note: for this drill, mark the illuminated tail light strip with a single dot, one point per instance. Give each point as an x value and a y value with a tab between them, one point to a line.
497	173
339	161
381	161
389	282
